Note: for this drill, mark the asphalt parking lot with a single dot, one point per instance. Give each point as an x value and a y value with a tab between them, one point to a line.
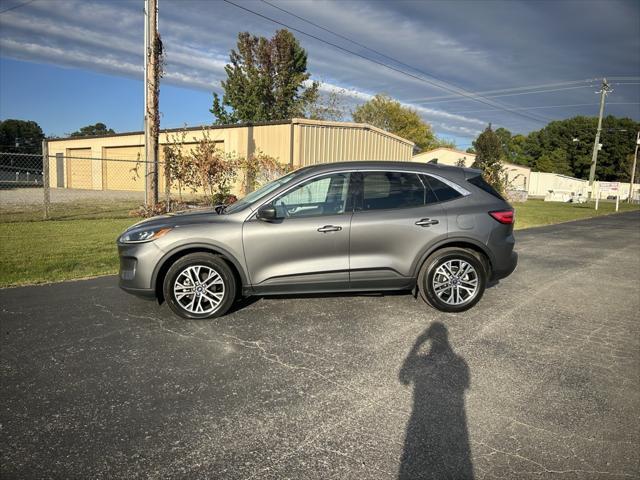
540	380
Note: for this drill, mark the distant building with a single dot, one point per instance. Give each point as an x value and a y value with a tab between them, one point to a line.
446	156
517	175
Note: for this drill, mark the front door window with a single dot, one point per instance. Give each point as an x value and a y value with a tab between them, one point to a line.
319	197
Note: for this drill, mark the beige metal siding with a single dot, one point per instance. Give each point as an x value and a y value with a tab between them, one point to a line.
326	144
79	168
298	143
273	140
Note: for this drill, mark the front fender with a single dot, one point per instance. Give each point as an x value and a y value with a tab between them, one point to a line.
201	244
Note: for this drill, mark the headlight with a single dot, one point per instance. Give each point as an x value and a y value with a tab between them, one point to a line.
142	234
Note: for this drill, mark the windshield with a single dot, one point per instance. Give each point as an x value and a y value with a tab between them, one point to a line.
258	194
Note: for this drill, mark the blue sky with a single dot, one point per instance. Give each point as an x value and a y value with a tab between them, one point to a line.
69	63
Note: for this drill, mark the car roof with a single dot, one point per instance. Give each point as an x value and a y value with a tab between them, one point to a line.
388	165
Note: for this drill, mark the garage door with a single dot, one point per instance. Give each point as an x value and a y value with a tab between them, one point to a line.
126	174
79	168
124	169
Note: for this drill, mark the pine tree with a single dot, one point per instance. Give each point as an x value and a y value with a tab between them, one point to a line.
266	80
488	158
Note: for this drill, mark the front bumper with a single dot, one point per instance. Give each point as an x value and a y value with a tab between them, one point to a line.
137	265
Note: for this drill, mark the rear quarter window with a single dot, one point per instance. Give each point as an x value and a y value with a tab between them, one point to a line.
480	182
441	190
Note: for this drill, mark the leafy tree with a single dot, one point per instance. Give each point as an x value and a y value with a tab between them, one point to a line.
488	158
213	170
555	161
504	136
97	129
441	142
388	114
327	107
259	169
575	136
178	168
20	136
265	80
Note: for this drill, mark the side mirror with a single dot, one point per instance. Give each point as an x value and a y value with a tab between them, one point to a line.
267	213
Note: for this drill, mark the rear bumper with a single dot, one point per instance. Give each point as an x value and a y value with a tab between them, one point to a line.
506	268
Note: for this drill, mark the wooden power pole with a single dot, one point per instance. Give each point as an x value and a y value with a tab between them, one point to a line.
596	145
151	117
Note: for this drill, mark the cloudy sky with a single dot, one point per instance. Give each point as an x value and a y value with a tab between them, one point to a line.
68	63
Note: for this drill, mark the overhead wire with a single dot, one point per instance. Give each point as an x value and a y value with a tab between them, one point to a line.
437	84
553	106
15	7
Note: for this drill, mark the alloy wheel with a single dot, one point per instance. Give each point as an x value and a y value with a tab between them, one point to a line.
455	282
199	289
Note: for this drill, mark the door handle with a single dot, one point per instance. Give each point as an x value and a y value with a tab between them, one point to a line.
427	222
329	228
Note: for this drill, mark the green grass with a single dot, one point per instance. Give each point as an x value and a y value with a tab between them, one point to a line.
50	251
534	213
71	210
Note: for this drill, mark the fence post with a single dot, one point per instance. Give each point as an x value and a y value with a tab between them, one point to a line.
45	178
167	180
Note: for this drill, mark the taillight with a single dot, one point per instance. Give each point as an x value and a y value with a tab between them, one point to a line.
504	216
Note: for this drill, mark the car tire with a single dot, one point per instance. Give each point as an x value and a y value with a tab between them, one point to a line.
452	280
199	286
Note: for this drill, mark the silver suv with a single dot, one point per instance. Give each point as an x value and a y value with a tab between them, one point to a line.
353	226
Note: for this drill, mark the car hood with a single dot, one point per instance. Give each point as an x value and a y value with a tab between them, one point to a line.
184	217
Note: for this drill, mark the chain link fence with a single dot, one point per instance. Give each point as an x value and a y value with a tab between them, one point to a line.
65	187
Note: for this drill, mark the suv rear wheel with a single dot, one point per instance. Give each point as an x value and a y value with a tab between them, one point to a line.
452	280
199	285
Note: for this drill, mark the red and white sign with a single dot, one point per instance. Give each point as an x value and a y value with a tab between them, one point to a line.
609	187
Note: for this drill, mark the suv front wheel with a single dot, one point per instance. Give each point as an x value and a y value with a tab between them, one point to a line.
452	280
199	285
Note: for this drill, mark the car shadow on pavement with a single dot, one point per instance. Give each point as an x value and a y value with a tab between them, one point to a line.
437	440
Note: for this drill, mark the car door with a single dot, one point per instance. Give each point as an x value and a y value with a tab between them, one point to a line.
396	218
307	247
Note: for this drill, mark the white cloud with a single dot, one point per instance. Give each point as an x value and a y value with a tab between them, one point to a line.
107	36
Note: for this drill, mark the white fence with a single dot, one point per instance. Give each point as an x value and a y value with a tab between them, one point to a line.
542	184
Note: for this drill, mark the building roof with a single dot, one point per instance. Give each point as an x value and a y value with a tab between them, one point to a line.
445	148
507	164
292	121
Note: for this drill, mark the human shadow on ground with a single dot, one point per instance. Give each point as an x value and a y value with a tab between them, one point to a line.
437	441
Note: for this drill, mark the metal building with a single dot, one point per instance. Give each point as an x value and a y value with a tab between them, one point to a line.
92	162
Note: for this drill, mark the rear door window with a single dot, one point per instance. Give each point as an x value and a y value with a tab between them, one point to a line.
386	190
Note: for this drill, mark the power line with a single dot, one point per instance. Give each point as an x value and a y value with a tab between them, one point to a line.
515	94
552	106
16	6
377	52
454	90
443	85
489	93
503	92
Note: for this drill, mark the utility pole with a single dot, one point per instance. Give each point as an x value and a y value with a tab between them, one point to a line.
151	118
596	145
633	169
